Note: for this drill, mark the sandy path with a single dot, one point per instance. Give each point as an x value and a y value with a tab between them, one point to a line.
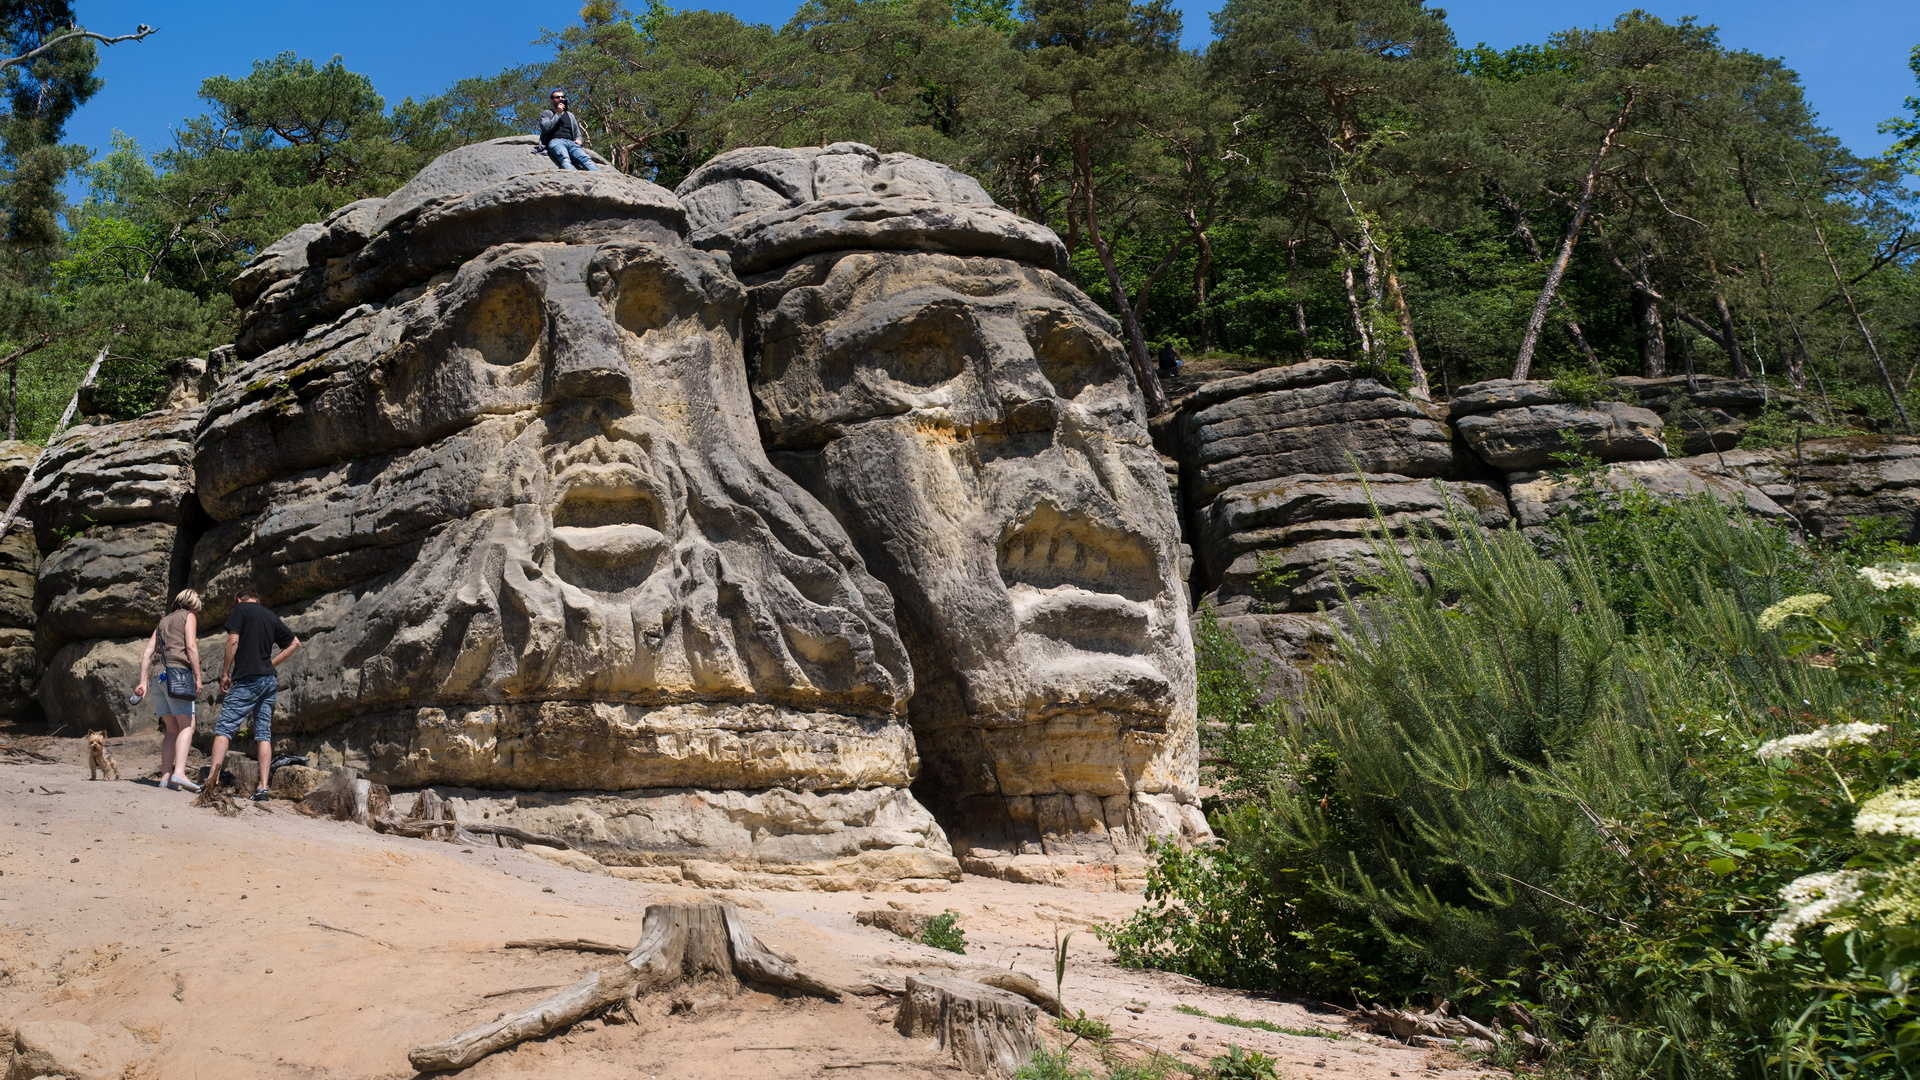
275	945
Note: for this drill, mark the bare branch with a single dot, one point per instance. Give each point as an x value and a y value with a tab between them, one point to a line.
76	33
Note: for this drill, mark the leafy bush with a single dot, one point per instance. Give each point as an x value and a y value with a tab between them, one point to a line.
943	932
1552	785
1084	1026
1238	1064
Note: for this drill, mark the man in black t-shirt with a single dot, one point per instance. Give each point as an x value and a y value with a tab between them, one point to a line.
247	682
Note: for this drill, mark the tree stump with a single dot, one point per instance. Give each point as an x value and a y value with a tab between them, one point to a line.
986	1029
687	947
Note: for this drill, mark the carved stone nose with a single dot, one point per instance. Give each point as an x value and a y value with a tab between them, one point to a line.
588	361
587	358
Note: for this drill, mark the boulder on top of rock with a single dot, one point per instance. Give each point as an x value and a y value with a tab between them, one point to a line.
113	474
768	207
1531	436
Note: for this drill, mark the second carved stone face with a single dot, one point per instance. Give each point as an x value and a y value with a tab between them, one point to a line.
972	421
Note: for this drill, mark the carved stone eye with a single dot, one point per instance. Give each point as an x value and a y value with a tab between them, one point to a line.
925	348
1072	355
504	324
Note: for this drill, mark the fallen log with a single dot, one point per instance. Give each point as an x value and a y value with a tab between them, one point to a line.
1018	982
575	944
511	833
686	947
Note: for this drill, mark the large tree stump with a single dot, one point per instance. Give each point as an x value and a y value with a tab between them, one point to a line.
986	1029
688	947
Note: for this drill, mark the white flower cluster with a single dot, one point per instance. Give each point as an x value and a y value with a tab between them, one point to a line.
1804	604
1893	812
1813	899
1826	738
1893	576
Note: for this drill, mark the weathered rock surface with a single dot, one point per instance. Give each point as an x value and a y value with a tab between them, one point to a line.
1539	498
1291	543
1829	485
1520	425
60	1048
972	420
771	838
1319	417
19	564
1711	415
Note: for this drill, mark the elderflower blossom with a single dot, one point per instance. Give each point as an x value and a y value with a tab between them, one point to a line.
1813	899
1893	812
1826	738
1804	604
1892	576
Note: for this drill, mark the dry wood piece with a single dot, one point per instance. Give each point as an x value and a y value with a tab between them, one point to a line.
575	944
1018	982
1419	1028
986	1030
522	835
688	947
595	991
334	797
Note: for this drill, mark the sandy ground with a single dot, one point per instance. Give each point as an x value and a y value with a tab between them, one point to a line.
275	945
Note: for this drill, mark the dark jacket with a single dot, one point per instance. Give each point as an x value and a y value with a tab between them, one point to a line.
561	125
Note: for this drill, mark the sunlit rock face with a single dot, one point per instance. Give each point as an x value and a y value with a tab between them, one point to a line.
970	417
494	458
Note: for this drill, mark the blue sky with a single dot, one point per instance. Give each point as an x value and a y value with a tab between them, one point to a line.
1852	54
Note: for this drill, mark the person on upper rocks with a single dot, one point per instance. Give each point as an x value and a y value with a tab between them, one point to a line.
562	134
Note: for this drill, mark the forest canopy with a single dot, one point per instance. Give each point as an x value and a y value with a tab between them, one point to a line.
1323	179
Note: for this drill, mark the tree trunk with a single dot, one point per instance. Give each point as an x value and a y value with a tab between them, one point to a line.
13	402
1686	354
1653	336
1203	263
1156	399
1729	334
1839	279
1418	388
1523	364
1525	233
1353	308
1299	305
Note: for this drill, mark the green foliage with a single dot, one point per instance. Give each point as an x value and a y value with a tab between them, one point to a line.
1238	1064
1083	1026
1776	427
1239	725
943	932
1529	785
1580	387
1259	1025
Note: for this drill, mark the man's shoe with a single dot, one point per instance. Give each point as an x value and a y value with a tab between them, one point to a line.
260	795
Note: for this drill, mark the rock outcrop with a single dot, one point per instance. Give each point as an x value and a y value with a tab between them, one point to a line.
19	564
1832	485
115	522
1517	425
970	417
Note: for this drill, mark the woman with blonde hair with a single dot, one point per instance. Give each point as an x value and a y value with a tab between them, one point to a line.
178	640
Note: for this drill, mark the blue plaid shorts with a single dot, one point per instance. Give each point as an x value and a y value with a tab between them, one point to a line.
249	698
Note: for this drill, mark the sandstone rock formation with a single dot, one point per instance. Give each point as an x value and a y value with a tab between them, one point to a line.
1516	425
970	417
1831	485
19	563
116	519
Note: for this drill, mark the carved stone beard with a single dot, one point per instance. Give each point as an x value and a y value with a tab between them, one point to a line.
972	423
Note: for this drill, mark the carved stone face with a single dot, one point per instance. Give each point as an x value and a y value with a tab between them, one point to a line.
974	424
562	559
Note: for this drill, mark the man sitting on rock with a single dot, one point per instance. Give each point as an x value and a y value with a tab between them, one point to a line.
247	682
561	134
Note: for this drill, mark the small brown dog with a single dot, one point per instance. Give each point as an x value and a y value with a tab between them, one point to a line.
99	761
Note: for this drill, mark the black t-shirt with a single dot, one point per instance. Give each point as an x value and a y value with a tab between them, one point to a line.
261	635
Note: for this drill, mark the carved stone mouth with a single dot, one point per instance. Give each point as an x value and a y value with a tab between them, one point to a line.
1078	615
1070	553
609	546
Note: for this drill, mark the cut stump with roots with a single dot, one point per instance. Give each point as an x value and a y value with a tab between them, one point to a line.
986	1029
686	947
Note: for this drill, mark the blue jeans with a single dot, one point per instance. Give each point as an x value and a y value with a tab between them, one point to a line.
250	698
564	150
